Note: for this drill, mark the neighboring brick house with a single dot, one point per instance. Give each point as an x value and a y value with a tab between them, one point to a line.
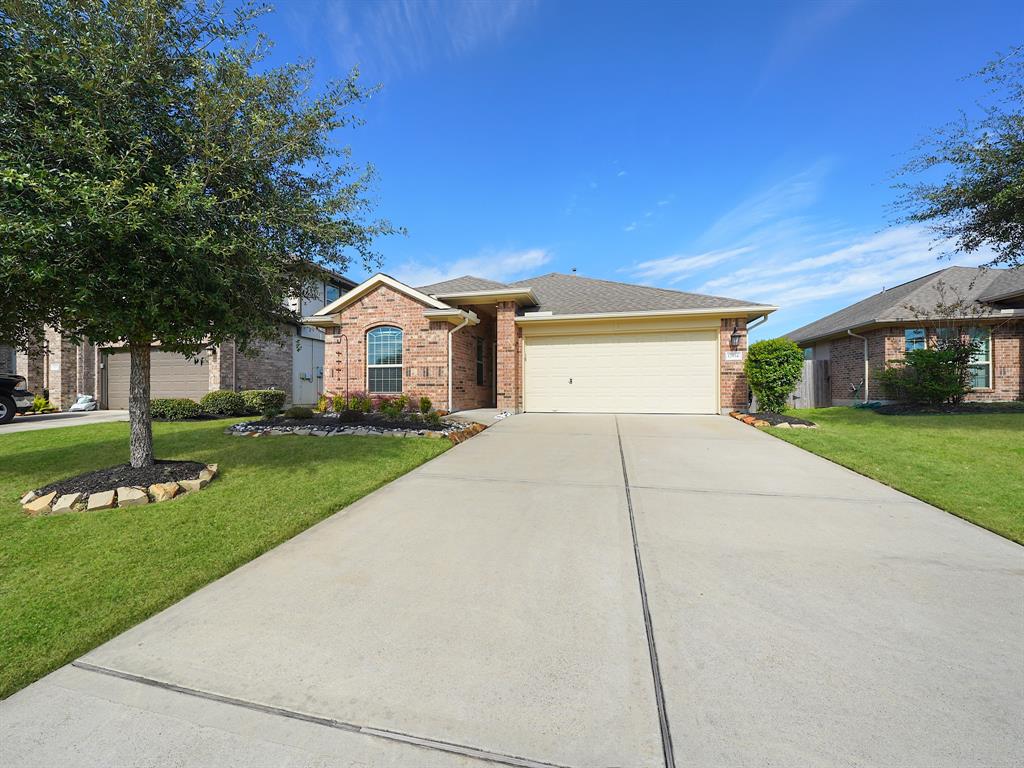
549	343
986	303
64	369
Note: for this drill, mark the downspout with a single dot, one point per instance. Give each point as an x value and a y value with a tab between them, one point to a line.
865	338
451	333
757	322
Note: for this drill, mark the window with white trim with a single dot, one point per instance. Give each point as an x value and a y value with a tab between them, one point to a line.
913	338
981	361
384	360
331	293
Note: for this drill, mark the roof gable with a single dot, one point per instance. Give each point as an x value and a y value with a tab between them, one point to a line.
378	280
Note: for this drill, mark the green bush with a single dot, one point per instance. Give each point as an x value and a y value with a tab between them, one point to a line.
425	405
40	403
263	401
322	403
433	418
773	368
174	409
359	401
392	407
931	376
299	412
224	402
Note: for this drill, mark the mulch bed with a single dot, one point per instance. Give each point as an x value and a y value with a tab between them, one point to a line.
125	474
780	418
910	409
332	422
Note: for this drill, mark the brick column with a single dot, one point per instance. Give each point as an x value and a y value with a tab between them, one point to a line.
733	382
509	374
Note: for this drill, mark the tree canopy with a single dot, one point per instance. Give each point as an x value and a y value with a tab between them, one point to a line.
158	182
978	199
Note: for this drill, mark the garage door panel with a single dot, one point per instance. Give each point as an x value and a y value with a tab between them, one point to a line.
171	375
663	372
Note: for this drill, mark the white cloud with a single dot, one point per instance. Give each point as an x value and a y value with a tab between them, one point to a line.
672	269
494	265
621	173
629	227
388	37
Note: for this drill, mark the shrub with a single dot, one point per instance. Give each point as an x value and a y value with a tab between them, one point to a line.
299	412
224	402
433	418
931	376
349	416
773	368
392	407
321	404
339	404
425	405
40	403
360	401
175	409
263	401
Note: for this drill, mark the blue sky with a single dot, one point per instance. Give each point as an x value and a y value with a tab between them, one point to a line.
741	149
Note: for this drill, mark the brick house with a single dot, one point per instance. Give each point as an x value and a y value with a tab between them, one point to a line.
988	304
549	343
64	369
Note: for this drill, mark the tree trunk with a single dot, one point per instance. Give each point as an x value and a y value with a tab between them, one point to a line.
138	406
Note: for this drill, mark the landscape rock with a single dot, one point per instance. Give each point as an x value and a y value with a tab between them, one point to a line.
131	497
66	502
164	491
784	425
761	423
193	485
101	500
319	433
39	504
28	497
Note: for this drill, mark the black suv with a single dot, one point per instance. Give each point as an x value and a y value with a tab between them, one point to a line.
14	398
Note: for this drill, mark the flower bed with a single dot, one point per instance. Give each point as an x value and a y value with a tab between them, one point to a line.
120	486
333	425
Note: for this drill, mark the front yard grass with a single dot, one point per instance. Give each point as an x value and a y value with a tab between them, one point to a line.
969	464
71	582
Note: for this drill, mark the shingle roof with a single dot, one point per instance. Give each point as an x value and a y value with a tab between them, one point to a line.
458	284
573	294
913	300
1009	283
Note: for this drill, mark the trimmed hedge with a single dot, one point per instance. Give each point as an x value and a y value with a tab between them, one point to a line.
175	409
773	368
224	402
263	400
299	412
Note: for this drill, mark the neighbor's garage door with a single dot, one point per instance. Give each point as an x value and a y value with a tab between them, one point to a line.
171	375
662	372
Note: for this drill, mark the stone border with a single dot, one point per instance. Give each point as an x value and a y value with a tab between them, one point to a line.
747	418
123	496
456	432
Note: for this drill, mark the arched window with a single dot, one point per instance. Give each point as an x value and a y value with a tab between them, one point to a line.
384	360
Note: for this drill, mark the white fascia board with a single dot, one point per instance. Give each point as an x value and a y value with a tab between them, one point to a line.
368	285
452	315
320	321
519	295
750	311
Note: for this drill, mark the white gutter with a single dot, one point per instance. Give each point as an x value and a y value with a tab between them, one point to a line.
755	310
757	322
470	318
865	338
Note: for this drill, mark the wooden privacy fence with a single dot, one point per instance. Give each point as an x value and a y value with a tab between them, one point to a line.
814	389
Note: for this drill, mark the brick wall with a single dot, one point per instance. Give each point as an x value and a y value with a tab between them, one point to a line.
733	389
510	343
467	393
846	364
424	346
264	365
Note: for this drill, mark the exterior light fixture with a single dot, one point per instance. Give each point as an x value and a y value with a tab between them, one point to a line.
735	338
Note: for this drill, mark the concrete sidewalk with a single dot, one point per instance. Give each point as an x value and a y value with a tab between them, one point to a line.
487	608
63	419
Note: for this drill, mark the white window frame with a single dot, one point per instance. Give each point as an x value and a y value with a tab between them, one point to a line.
398	365
906	339
327	297
986	334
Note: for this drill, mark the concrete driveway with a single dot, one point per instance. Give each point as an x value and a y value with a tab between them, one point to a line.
576	591
62	419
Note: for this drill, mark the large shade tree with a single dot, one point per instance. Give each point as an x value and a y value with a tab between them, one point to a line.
969	174
160	183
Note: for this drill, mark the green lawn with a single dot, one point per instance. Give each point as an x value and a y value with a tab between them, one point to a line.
969	464
70	582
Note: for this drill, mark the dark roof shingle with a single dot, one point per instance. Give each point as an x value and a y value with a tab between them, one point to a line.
460	284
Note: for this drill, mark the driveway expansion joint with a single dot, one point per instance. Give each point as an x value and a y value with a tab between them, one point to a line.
769	494
424	742
659	691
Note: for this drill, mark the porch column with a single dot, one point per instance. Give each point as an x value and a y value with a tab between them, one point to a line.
509	373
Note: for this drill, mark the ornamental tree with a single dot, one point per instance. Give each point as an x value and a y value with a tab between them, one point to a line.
159	183
773	368
971	172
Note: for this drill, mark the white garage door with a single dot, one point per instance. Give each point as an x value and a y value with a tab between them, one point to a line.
170	375
663	372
